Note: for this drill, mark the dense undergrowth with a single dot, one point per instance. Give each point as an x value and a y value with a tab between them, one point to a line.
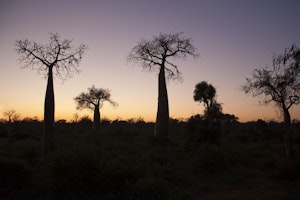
201	160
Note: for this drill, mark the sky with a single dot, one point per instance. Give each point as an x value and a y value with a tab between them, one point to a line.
233	38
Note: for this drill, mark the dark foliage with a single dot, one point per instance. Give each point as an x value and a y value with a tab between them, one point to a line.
127	162
14	175
202	131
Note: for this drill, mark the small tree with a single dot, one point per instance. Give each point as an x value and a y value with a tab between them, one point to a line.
58	57
159	54
280	85
206	93
12	115
93	100
76	117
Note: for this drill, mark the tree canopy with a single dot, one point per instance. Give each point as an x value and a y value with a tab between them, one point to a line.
60	54
12	115
159	53
162	50
280	83
206	93
93	100
94	97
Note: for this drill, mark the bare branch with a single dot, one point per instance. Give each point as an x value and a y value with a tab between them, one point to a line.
281	84
160	49
95	97
58	53
12	115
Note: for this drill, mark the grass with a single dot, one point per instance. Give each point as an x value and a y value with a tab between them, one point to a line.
124	161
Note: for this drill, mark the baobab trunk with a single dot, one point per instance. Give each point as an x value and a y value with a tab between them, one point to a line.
96	123
288	137
161	130
48	140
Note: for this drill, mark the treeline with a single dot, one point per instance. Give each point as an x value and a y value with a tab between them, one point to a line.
196	126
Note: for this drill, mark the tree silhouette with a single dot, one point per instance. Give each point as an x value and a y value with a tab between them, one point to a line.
12	115
93	100
279	85
159	54
206	93
58	57
214	112
76	117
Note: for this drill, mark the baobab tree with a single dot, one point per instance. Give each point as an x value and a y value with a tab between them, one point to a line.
93	100
59	58
280	85
159	53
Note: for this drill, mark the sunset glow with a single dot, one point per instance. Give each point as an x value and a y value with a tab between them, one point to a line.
232	37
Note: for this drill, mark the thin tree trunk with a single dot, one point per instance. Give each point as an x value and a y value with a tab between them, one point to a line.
48	140
288	137
161	130
208	105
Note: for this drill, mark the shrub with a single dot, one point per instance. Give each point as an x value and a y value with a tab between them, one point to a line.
289	170
86	172
151	188
202	132
14	174
71	174
210	160
24	136
3	133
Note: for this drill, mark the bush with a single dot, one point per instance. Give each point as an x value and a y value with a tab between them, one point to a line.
3	133
289	170
210	160
202	132
87	172
24	136
70	174
14	174
151	188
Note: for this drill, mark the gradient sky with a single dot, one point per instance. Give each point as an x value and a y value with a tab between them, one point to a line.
233	38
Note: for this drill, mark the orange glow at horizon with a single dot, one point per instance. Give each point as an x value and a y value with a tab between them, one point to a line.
230	48
267	113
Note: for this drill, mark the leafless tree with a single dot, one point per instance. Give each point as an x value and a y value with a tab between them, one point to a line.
93	100
76	117
58	57
280	85
12	115
159	53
